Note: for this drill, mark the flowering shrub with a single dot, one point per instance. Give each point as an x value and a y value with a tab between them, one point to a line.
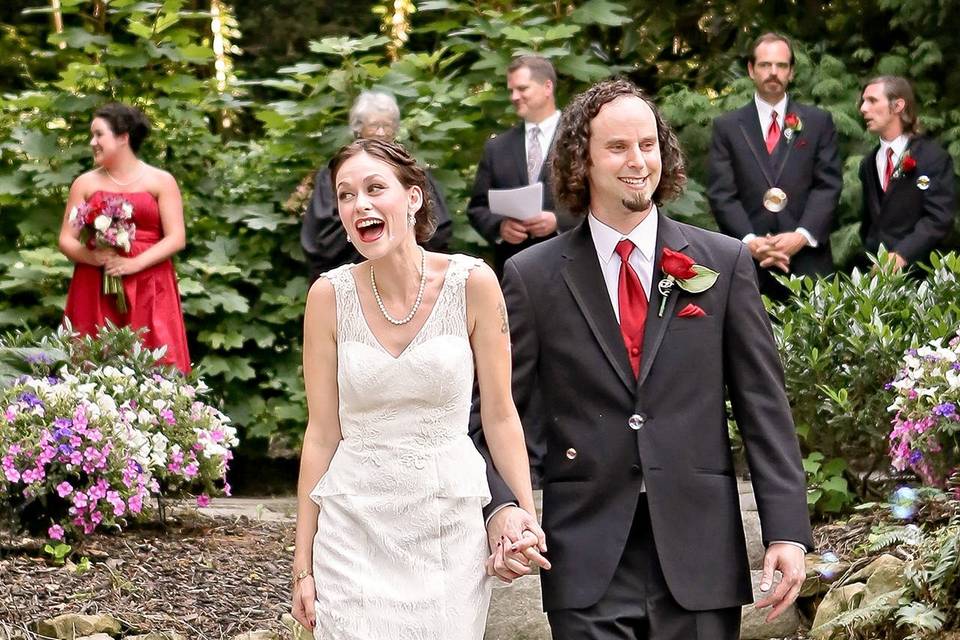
86	444
926	423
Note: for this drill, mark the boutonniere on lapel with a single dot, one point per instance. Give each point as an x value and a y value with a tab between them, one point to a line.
680	270
906	165
792	125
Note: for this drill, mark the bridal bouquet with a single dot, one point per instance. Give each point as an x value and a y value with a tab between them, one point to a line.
111	223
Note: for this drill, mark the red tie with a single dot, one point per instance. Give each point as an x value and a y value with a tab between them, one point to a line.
633	306
888	170
773	133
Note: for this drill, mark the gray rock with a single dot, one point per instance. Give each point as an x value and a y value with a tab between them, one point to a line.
753	624
836	601
71	626
96	636
258	635
752	533
157	635
516	612
298	631
821	574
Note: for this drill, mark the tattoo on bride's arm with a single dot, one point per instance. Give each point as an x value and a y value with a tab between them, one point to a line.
504	328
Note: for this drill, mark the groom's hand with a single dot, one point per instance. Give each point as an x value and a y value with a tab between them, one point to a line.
516	541
788	559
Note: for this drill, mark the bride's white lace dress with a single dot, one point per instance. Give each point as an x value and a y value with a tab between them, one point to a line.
400	545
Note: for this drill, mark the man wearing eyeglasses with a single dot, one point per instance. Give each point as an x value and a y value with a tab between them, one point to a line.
774	172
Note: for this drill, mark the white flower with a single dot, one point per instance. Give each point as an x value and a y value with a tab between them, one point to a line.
145	417
123	239
127	209
74	212
102	222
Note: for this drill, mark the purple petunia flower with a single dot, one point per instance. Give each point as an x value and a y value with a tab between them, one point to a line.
30	399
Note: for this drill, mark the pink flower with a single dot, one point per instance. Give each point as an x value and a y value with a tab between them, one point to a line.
203	500
55	532
64	489
135	503
80	500
190	470
227	489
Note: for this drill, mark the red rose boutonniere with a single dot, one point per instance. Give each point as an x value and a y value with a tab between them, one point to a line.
792	125
906	165
680	270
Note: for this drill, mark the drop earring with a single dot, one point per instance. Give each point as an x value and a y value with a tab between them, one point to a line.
411	217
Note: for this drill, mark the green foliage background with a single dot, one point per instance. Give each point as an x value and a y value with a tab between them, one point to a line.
242	278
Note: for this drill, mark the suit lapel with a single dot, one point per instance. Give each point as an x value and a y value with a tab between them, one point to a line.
585	280
874	190
753	137
518	152
782	153
668	235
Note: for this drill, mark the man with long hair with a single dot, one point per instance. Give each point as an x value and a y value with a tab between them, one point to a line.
909	200
634	328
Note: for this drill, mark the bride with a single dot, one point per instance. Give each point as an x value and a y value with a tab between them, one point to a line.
390	539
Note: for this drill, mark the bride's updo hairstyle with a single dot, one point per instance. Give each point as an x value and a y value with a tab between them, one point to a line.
408	172
125	119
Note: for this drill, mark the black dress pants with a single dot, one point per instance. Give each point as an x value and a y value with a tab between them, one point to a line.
638	605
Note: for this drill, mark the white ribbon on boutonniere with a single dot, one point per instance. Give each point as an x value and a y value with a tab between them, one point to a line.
680	270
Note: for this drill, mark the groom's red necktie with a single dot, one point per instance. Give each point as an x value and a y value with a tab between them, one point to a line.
633	306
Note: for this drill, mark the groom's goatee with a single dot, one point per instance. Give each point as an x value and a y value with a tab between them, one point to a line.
639	203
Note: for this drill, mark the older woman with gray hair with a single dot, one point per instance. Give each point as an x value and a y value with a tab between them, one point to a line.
374	114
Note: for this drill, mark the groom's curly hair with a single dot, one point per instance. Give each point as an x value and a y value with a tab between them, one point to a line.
571	155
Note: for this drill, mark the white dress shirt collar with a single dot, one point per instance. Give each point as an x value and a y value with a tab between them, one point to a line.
764	109
548	126
899	145
644	236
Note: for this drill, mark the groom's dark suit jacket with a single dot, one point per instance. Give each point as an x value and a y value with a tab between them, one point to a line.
565	335
907	219
806	166
504	166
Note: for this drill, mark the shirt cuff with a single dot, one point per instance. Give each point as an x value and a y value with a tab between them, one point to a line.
811	241
796	544
747	239
494	512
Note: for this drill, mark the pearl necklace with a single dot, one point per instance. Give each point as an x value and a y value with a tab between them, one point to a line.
127	183
416	305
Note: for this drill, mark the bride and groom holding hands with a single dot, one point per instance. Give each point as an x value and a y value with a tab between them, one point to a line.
632	327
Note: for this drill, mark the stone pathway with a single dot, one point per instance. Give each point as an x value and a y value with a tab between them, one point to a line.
515	611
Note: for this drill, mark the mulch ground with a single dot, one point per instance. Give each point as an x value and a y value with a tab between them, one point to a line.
202	577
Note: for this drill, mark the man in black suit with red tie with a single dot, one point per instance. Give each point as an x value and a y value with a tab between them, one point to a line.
909	198
774	173
634	328
518	157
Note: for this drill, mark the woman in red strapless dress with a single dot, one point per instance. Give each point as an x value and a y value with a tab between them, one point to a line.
149	279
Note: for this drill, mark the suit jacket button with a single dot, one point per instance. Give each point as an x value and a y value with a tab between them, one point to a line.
636	421
571	453
635	469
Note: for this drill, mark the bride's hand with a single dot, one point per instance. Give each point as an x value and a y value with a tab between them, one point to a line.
304	602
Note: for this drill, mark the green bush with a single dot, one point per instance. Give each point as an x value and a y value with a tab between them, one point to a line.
842	340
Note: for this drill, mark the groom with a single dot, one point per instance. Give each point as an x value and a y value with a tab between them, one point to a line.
640	501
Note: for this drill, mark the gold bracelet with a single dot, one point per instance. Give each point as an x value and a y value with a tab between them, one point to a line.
300	575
